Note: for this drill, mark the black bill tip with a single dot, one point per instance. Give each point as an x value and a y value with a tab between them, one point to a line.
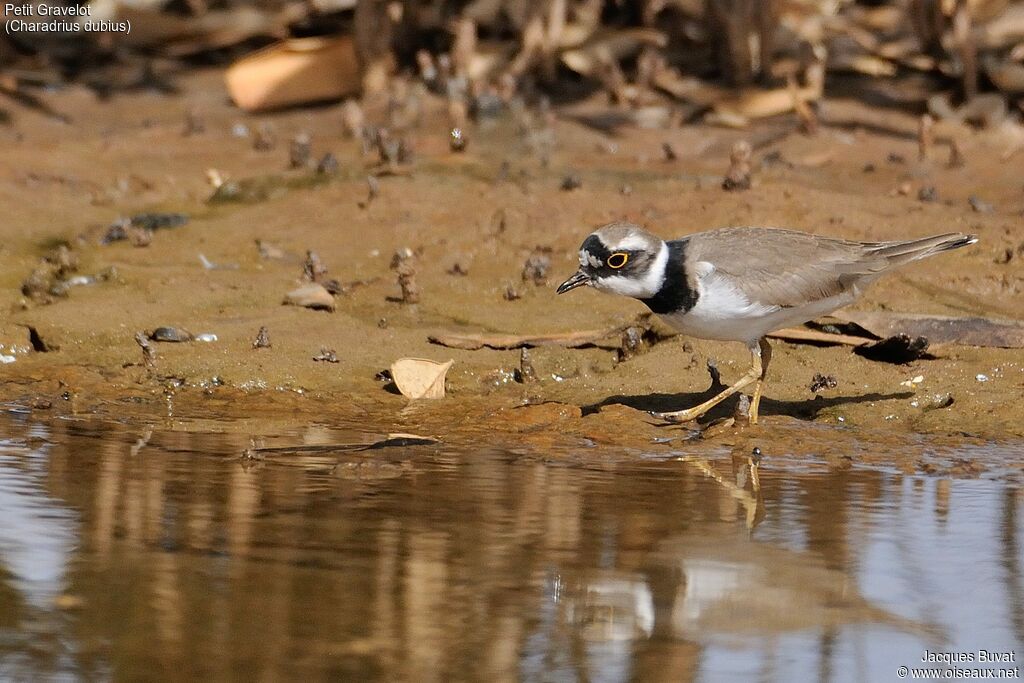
578	279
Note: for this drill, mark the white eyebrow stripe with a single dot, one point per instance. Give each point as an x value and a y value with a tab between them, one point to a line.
632	243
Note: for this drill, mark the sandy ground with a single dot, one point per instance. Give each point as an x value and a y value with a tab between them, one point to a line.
65	183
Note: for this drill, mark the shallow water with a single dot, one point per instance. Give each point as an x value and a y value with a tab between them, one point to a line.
157	552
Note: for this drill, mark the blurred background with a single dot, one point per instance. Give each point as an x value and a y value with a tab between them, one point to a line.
662	62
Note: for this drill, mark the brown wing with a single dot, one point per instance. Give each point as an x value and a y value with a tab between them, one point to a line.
785	267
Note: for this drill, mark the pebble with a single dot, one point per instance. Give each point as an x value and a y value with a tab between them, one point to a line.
171	334
981	378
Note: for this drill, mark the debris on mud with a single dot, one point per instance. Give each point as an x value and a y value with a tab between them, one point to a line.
897	349
264	139
979	205
807	335
925	137
268	251
38	344
525	373
458	268
821	382
372	191
536	268
457	140
956	155
612	338
970	331
54	275
935	402
312	295
738	175
326	355
571	181
419	377
262	338
139	228
148	355
299	151
403	263
328	164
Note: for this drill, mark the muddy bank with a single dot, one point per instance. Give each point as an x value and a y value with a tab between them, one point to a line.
473	218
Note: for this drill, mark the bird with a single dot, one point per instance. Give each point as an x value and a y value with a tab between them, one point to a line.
741	283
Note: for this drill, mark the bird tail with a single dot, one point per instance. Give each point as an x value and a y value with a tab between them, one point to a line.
898	253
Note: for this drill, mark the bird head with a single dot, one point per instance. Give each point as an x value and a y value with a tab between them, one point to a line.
621	258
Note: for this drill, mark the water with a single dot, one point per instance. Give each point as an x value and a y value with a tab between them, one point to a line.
158	553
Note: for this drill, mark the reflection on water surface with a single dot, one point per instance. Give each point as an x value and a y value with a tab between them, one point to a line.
158	553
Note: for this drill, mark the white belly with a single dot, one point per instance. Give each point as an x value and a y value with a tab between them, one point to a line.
724	313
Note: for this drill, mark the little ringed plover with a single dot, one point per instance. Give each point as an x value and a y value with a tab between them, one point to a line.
739	284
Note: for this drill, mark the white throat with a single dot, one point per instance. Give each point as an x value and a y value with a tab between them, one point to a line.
643	287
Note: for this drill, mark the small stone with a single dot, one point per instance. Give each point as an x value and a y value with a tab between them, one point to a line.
928	193
171	334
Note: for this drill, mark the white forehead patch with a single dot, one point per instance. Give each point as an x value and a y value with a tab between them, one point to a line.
587	258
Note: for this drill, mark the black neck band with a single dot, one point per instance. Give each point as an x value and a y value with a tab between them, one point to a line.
675	295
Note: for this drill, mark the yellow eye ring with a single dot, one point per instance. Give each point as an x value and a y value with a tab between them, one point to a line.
617	260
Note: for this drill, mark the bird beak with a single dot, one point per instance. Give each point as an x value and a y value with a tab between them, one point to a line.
578	279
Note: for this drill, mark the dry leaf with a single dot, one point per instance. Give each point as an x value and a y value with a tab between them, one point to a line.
420	378
610	47
759	104
294	72
313	295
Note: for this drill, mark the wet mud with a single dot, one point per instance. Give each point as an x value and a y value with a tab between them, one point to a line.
491	229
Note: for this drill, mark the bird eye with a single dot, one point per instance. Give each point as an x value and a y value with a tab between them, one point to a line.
617	260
